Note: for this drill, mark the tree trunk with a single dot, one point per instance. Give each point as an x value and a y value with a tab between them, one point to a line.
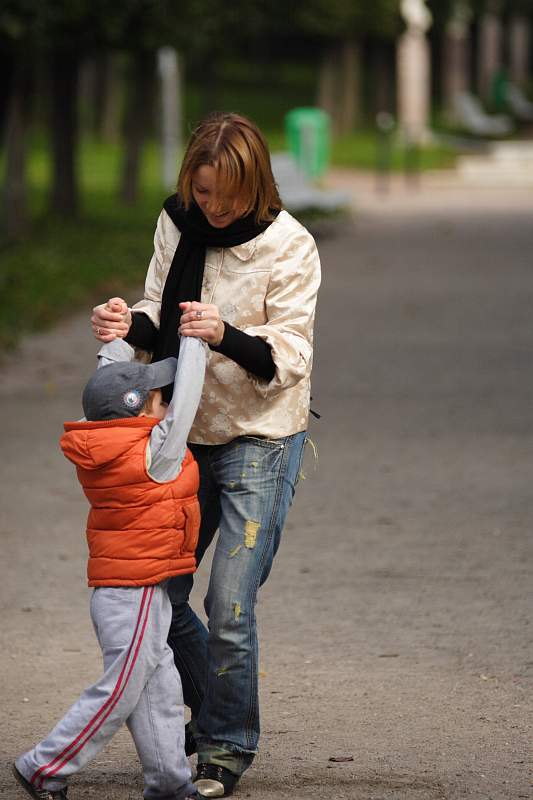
490	52
350	83
383	78
456	59
64	108
520	47
7	68
111	111
339	85
138	113
86	96
17	124
210	84
327	83
170	92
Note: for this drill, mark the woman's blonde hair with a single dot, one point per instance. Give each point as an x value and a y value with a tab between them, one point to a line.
237	149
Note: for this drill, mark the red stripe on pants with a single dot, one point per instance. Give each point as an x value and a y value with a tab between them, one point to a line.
109	704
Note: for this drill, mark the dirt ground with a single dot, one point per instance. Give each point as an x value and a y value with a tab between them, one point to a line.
396	626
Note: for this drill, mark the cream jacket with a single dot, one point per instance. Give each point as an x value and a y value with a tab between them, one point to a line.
267	287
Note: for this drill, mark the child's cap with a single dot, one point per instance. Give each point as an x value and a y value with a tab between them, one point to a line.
120	389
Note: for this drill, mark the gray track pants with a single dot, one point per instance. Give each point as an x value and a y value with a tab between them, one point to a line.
140	686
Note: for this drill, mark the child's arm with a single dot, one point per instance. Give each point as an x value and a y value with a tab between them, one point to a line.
117	350
168	440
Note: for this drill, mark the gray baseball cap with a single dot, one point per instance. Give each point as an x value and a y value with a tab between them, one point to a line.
120	389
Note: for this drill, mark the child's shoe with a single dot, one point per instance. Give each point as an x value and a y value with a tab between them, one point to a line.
214	781
39	794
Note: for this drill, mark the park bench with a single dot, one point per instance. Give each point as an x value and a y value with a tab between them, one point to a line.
518	104
298	193
470	114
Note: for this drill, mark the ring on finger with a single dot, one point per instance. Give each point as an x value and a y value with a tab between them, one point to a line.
97	331
199	314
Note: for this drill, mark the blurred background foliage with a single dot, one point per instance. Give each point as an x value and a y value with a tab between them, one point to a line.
79	114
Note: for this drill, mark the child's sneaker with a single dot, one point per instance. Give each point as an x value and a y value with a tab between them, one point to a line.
39	794
214	781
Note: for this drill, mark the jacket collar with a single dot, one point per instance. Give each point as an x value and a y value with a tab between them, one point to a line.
245	251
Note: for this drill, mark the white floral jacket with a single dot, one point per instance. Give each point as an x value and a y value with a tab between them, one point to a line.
267	287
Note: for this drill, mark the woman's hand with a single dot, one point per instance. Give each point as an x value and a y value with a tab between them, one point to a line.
203	321
111	320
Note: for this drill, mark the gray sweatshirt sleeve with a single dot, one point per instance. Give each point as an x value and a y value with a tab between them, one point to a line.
117	350
168	440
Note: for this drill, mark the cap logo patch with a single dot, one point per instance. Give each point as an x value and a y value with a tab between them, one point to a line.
132	399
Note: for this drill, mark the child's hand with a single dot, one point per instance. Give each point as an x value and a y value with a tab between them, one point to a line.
111	320
116	305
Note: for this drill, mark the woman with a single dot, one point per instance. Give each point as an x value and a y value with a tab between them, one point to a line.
233	268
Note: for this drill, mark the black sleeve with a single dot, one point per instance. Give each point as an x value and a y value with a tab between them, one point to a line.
250	352
142	332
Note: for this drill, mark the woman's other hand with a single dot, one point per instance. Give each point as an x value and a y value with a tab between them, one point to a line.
203	321
111	320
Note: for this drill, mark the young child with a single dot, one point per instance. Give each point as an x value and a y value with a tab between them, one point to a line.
141	482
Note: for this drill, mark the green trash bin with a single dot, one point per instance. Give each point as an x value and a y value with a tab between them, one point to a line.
308	137
499	86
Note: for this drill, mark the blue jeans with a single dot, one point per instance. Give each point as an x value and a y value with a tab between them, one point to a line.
246	489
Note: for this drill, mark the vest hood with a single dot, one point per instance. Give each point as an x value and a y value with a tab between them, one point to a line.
92	445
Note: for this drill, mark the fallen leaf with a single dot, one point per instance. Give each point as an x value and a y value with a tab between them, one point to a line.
340	758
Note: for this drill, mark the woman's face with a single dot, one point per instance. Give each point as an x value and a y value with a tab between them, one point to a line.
219	210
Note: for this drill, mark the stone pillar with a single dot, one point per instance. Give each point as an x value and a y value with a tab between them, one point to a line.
519	44
489	50
168	65
413	72
456	72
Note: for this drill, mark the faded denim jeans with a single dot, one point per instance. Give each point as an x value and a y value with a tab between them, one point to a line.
246	489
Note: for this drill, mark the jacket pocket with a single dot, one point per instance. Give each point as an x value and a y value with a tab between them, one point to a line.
191	512
263	441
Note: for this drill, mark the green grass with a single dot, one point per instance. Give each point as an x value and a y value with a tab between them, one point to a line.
64	265
360	150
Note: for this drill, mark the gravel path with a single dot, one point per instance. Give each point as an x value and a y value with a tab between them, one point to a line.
395	627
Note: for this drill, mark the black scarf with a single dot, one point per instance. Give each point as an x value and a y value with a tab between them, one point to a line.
184	280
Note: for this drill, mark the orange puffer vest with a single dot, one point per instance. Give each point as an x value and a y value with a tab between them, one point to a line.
139	531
